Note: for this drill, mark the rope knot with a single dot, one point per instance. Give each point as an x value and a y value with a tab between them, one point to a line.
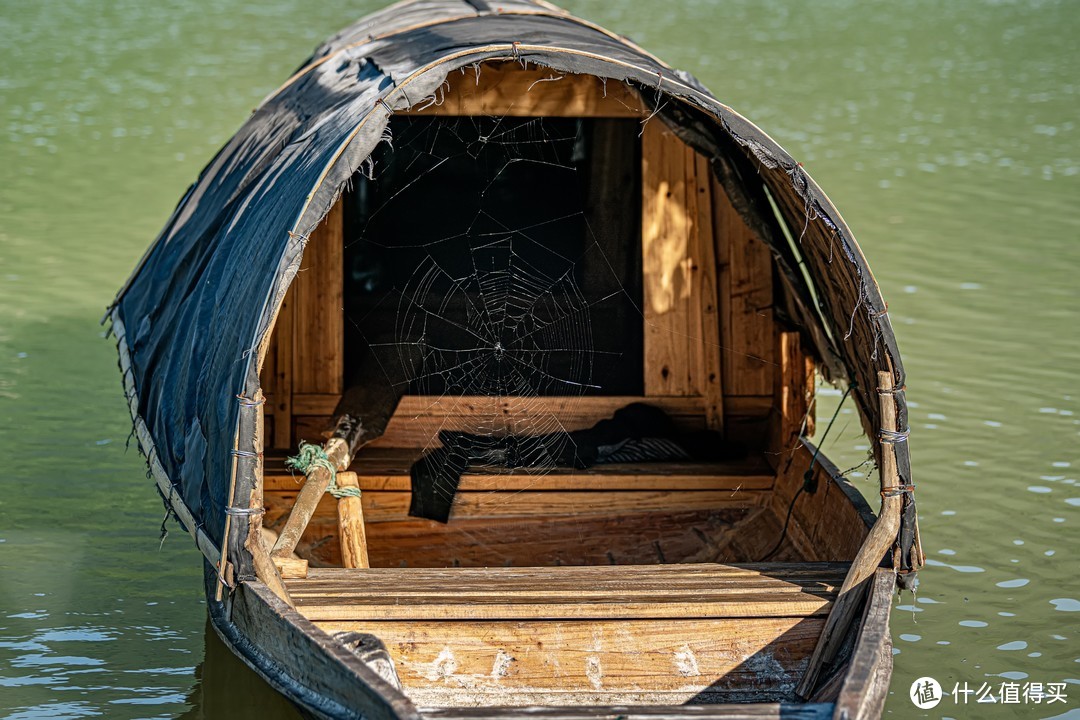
309	457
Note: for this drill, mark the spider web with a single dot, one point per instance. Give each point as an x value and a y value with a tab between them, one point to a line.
477	280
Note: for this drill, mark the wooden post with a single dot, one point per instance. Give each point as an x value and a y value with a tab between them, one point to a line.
350	510
878	542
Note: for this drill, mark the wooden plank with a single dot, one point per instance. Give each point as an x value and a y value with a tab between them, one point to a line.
530	601
558	479
388	469
418	419
750	406
282	345
794	388
826	524
668	537
268	380
679	270
292	568
778	573
451	607
741	711
666	274
792	391
745	301
318	351
575	661
755	538
315	403
505	88
391	506
704	304
562	584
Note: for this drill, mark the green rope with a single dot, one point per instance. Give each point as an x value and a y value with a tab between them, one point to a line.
311	456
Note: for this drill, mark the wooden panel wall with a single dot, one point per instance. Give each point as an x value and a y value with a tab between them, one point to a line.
748	331
793	397
504	88
827	525
682	332
305	358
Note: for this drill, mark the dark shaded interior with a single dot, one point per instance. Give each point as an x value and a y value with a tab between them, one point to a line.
497	256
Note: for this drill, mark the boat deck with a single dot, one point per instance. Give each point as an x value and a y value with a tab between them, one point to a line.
653	634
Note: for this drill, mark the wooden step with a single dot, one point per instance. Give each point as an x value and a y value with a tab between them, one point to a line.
655	591
658	634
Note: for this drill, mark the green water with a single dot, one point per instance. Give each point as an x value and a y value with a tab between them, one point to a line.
946	133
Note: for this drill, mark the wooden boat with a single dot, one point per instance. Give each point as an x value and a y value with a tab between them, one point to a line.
484	229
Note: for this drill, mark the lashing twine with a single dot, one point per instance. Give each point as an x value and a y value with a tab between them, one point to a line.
311	456
893	437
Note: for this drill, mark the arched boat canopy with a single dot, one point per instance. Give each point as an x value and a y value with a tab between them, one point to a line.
195	317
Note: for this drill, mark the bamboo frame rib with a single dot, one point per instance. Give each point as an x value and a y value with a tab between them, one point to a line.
878	542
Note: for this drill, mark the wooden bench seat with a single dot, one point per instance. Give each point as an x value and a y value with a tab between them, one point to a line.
616	514
388	469
656	634
677	590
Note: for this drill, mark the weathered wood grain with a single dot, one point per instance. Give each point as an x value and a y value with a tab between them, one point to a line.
351	530
318	348
388	469
705	591
506	89
746	711
705	305
671	363
604	540
279	389
292	568
745	302
866	683
584	662
390	506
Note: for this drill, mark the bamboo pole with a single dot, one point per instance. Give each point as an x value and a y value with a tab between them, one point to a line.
354	553
265	569
879	541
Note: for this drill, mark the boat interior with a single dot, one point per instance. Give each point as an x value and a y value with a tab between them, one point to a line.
528	255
